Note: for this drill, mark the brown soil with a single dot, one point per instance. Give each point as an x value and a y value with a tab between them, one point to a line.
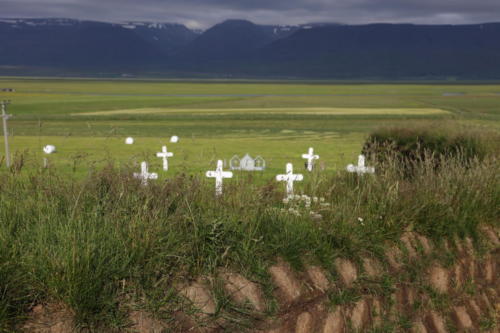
304	305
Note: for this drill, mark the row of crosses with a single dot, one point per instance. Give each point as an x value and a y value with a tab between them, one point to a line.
145	175
219	174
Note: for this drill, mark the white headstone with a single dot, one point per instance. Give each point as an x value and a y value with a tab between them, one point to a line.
219	175
164	154
360	168
129	141
310	158
247	163
174	139
49	149
289	178
235	163
144	175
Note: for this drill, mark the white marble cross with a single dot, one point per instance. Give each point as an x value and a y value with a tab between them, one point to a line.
165	155
219	175
289	178
310	158
360	168
144	175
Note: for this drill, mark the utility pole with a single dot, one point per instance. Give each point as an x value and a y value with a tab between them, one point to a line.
5	117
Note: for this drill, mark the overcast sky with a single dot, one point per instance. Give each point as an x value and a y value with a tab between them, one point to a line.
205	13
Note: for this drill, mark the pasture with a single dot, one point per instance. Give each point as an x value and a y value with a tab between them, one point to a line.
88	120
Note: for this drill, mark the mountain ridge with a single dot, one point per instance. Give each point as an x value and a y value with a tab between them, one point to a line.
242	48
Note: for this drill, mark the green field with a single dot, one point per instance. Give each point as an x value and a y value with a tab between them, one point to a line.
86	237
88	120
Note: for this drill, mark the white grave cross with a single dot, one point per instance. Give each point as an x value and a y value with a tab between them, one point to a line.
360	168
289	178
144	175
165	155
219	175
310	158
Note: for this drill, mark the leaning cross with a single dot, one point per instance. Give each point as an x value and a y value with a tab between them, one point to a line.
165	155
219	175
289	178
310	158
6	117
360	168
144	175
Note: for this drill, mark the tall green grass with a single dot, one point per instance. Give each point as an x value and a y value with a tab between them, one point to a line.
100	243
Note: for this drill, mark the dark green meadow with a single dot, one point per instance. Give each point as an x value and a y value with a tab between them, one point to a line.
84	234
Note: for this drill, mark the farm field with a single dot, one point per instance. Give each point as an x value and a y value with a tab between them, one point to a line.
88	120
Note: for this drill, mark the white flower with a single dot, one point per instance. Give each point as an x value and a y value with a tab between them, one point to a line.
360	219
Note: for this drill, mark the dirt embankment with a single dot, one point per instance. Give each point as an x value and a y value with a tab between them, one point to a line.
425	296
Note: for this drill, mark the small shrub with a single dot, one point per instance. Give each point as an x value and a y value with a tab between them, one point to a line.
410	145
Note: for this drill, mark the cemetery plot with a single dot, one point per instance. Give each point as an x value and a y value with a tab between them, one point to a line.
123	120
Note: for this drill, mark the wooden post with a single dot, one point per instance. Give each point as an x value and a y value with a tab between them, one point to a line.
5	117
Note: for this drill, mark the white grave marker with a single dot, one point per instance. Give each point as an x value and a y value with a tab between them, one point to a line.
49	149
129	141
247	163
174	139
360	168
165	155
219	175
289	178
144	175
310	158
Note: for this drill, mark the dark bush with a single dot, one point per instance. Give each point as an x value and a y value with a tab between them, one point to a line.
408	145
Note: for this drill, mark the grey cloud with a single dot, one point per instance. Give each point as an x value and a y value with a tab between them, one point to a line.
204	13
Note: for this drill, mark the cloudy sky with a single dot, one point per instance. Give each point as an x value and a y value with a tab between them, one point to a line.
204	13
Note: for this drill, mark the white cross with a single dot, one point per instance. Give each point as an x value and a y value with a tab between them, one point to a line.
144	175
289	178
360	168
219	175
165	155
310	158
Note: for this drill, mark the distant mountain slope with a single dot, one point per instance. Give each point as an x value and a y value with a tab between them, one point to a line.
387	50
242	48
168	37
232	40
87	44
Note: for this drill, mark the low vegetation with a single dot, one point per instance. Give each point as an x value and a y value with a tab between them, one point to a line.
99	244
85	236
417	142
